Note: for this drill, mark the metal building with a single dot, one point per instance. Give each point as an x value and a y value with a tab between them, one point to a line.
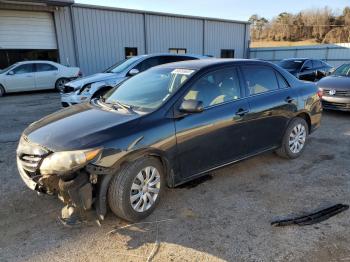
95	37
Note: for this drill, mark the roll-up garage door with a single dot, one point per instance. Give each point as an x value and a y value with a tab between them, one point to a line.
27	30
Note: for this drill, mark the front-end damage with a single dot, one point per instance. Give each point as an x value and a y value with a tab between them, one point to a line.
77	187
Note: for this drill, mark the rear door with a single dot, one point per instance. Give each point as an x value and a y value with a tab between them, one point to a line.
22	79
272	103
45	76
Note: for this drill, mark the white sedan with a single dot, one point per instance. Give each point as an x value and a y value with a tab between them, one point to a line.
36	75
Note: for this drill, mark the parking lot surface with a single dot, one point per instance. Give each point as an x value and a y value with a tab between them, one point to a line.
225	218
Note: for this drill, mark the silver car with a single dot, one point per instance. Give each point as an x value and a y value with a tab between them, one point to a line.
36	75
83	89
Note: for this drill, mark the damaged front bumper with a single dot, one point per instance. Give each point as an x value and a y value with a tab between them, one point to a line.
78	190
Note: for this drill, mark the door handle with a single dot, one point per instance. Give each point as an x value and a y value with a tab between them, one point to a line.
289	99
242	112
29	76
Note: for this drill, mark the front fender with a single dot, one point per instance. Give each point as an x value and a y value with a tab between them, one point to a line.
103	185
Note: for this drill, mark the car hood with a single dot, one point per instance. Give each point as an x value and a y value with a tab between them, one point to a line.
336	82
94	78
80	127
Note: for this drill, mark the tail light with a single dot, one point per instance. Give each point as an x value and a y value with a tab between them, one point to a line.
320	92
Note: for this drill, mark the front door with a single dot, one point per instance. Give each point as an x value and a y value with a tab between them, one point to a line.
20	78
307	72
218	134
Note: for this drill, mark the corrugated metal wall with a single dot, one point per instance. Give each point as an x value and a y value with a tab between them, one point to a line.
223	35
99	36
94	37
334	54
102	35
164	32
65	37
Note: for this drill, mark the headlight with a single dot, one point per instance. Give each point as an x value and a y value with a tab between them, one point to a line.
62	162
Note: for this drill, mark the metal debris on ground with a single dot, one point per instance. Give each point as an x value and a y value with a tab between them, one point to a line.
313	218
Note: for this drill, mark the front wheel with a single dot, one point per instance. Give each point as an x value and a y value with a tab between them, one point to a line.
294	139
136	190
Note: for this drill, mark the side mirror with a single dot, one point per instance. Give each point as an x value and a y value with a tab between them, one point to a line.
133	72
11	73
191	106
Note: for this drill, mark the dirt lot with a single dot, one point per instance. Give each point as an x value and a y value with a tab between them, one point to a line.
225	218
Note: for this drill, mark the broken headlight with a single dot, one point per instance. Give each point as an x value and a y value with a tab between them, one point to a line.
63	162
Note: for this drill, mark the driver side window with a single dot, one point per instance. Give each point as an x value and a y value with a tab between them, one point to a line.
307	64
216	87
23	69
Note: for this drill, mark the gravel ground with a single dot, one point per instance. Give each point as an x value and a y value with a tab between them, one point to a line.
226	217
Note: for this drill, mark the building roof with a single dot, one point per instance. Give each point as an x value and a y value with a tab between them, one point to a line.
160	13
43	2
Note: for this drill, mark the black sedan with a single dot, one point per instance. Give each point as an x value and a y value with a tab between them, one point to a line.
164	127
306	69
336	89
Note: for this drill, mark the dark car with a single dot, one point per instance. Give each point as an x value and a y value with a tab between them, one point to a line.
336	89
306	69
165	126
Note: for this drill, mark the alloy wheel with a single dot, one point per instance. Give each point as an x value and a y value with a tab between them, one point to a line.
60	84
297	139
145	189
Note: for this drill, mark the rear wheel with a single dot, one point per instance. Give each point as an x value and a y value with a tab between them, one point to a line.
59	86
2	91
136	190
294	139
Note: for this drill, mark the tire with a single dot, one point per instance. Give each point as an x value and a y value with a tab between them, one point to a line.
2	91
300	130
100	92
120	191
59	85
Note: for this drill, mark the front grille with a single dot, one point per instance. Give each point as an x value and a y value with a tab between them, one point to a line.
30	156
339	93
331	105
30	163
68	89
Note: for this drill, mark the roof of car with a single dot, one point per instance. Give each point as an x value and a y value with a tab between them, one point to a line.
172	54
297	59
203	63
35	61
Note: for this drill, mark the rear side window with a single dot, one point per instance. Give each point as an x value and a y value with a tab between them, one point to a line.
45	67
282	81
259	79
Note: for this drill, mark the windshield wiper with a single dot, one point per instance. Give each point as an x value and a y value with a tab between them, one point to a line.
124	106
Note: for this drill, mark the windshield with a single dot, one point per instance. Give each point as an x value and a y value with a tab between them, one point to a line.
291	64
122	65
147	91
7	68
343	70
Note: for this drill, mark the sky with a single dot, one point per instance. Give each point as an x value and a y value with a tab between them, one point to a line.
227	9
